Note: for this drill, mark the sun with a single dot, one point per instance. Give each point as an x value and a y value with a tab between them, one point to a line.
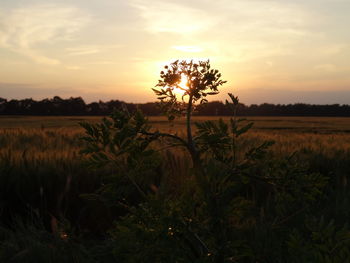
182	86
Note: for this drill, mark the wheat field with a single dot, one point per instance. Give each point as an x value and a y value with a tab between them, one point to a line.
43	174
59	136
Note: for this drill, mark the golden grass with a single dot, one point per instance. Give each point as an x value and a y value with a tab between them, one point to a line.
58	137
298	124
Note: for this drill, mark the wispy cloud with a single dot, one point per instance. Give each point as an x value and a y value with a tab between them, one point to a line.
163	16
189	49
326	67
23	30
222	15
332	49
73	68
102	62
232	30
91	49
82	51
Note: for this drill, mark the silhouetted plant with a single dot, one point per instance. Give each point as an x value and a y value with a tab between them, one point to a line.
231	197
31	242
319	241
201	81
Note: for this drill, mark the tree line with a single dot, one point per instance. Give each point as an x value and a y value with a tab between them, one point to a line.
77	106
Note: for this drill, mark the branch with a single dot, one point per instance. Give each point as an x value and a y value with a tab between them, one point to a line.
166	135
285	219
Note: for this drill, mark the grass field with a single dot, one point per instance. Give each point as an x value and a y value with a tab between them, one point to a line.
325	125
43	173
52	138
58	135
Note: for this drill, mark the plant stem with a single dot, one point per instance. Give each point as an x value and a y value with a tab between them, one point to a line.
182	141
190	142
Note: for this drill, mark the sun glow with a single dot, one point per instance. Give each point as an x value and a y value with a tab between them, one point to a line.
182	86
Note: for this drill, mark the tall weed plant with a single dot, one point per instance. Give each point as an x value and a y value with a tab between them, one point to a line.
233	204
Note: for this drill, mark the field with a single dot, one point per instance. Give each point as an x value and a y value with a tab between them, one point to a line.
60	135
322	125
42	173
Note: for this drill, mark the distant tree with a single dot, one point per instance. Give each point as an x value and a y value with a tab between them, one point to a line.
2	101
93	109
149	108
170	103
12	107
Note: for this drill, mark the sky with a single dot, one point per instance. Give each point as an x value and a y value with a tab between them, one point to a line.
275	51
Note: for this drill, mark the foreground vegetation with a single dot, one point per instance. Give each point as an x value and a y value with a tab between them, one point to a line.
153	194
44	178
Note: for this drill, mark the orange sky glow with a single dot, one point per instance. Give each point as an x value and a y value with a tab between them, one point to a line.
276	51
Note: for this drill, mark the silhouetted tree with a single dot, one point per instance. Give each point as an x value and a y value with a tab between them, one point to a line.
77	106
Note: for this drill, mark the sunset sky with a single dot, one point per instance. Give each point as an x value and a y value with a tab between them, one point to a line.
276	51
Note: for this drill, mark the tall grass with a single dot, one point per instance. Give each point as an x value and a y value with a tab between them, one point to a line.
42	175
33	157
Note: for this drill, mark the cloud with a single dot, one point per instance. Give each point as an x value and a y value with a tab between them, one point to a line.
190	49
36	56
225	15
332	49
163	16
73	68
24	29
231	30
102	62
82	51
326	67
91	49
